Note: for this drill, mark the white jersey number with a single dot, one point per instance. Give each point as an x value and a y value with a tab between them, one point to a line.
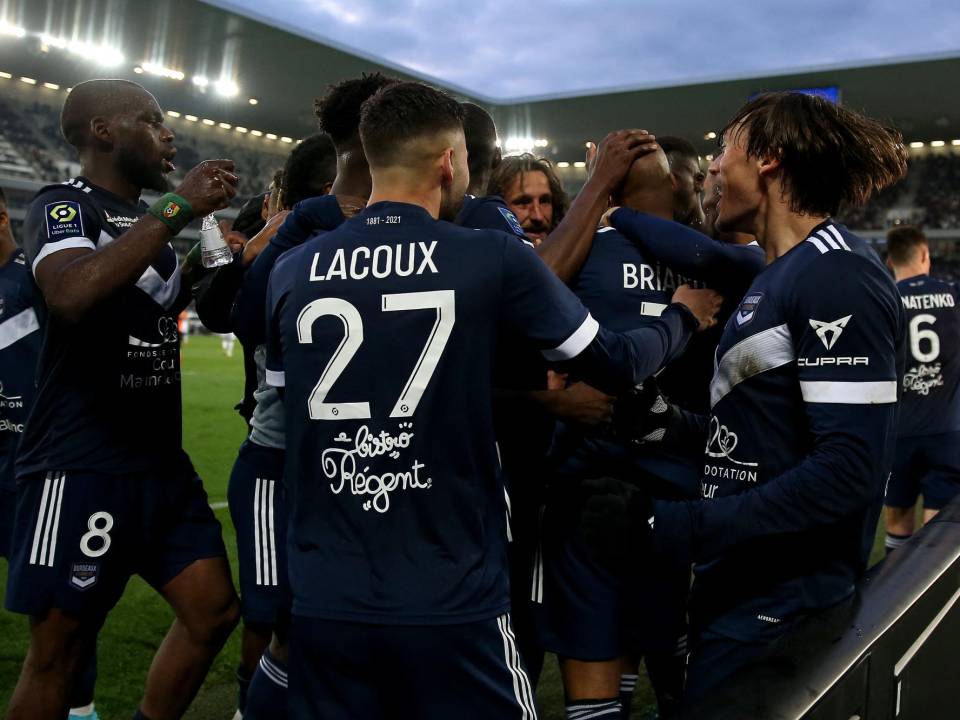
96	531
917	336
440	300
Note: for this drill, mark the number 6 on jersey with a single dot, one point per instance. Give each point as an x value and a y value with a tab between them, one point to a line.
443	301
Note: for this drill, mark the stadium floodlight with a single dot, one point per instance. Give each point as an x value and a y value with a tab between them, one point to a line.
710	136
541	142
937	143
916	144
51	86
191	118
225	87
5	75
225	126
103	55
240	129
208	121
173	113
955	142
158	69
256	133
563	164
517	144
51	41
28	80
579	164
286	139
12	30
271	136
200	81
253	101
138	70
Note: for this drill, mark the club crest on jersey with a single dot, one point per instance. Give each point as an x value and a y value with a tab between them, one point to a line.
64	219
747	309
83	576
511	220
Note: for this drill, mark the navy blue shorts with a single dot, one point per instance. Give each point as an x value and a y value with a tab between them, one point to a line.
927	465
344	671
713	659
79	536
258	506
587	611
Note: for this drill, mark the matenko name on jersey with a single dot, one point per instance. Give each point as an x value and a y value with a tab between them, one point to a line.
380	262
928	301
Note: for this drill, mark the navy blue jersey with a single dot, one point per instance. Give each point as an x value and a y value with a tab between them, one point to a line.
800	439
931	383
108	396
383	333
727	268
20	339
489	212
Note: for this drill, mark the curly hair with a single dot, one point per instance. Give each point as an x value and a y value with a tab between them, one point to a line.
511	166
338	111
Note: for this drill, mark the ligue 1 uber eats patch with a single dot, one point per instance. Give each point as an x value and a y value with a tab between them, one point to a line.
747	309
63	220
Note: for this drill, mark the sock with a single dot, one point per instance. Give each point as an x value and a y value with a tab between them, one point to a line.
589	709
81	694
267	696
628	683
893	541
84	711
243	687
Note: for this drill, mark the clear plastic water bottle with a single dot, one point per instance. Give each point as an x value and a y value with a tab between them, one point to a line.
214	250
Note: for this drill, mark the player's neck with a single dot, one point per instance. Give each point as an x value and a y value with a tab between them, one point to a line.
104	173
353	176
388	187
903	272
658	203
780	229
7	248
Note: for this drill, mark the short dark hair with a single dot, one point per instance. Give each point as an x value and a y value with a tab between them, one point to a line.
513	165
401	112
829	156
677	147
338	111
903	243
3	198
309	167
480	133
250	220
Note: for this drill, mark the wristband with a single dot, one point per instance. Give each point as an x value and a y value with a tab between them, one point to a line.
173	211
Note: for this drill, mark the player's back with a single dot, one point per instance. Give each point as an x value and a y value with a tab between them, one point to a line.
385	332
930	403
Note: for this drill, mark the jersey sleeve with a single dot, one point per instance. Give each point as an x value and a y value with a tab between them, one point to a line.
721	265
307	217
492	213
275	296
215	295
547	312
848	330
59	219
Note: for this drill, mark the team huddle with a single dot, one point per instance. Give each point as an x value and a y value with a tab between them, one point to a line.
485	424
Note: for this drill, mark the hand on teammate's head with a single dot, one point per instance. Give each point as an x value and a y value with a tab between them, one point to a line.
611	161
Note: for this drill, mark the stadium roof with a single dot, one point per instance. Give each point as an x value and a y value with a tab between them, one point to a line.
285	71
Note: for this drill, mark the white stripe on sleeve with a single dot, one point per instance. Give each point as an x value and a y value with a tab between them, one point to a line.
576	343
65	244
878	392
18	327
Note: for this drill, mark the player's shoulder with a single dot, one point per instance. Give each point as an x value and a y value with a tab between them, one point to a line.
72	190
831	248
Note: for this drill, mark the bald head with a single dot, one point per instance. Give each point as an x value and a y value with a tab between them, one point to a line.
483	155
647	187
108	99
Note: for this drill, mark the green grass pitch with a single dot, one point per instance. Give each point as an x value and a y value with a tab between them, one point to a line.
212	385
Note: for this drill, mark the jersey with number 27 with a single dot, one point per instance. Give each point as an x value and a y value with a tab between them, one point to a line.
383	334
931	384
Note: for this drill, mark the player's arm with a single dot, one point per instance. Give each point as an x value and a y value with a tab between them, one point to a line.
731	267
852	418
277	284
548	313
492	213
566	248
74	274
248	317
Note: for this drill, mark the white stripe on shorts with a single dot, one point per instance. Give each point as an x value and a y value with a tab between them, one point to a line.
521	683
48	521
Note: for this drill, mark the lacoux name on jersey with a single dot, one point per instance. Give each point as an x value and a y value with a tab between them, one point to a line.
928	301
648	277
402	259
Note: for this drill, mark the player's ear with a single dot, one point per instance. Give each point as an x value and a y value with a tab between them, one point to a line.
497	158
100	130
4	219
769	164
327	187
447	171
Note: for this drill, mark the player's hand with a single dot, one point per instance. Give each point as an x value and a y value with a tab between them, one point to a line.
615	522
234	239
259	241
616	154
208	187
703	303
556	380
605	218
643	415
583	405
